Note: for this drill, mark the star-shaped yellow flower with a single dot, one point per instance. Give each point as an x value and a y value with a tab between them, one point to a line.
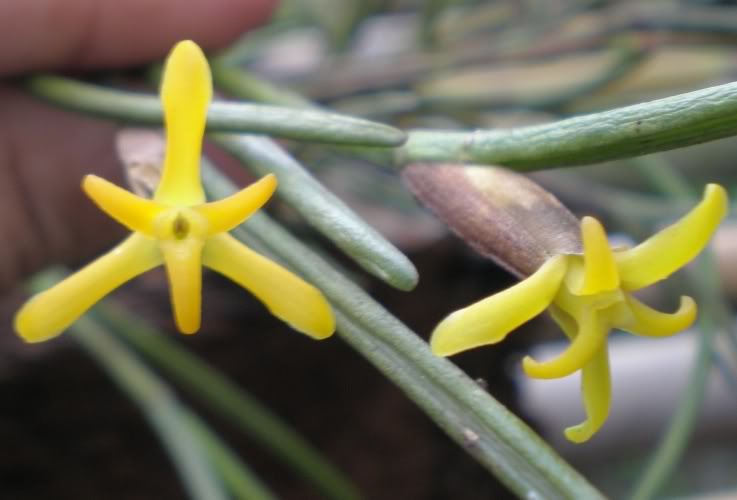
178	229
587	295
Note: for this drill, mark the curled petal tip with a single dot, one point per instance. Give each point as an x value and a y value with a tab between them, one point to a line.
647	321
538	369
590	338
579	433
596	390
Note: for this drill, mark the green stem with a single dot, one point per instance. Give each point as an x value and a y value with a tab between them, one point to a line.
660	125
237	476
322	209
493	435
222	396
298	124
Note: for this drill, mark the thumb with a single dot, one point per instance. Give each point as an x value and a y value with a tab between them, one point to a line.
44	216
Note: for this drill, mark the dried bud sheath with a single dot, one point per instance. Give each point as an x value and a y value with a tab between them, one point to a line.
501	214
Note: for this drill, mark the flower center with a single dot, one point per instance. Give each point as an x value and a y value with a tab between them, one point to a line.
180	227
180	224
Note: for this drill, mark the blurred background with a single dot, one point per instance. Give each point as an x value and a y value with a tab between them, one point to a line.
67	432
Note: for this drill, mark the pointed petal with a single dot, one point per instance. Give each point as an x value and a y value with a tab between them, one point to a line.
591	336
183	261
600	270
286	295
186	91
49	313
673	247
595	383
228	213
644	320
596	390
490	320
134	212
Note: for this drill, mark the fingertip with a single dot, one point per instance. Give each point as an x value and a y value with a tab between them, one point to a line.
54	34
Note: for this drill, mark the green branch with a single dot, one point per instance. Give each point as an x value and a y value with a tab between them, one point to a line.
664	124
289	123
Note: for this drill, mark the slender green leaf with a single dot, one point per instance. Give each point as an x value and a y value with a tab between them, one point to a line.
298	124
660	125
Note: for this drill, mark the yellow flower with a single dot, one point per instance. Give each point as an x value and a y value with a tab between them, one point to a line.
178	229
587	295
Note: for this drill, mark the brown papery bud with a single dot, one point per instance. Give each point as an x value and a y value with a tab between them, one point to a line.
501	214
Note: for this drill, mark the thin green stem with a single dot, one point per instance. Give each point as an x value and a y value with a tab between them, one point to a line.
237	476
290	123
660	125
231	402
498	439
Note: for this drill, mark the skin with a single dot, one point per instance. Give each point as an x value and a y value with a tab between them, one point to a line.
44	152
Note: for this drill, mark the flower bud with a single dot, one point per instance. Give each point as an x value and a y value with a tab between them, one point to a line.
501	214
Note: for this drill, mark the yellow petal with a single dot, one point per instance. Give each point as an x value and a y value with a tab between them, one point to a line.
600	270
596	390
591	336
287	296
49	313
644	320
183	261
673	247
134	212
186	91
223	215
490	320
